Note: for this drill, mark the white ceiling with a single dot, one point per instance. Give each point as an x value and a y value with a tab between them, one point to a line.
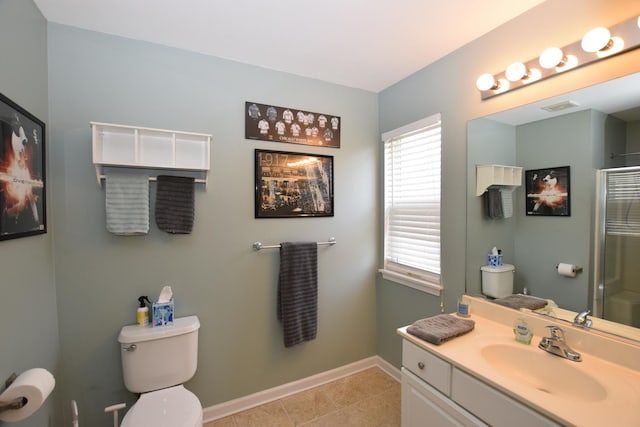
366	44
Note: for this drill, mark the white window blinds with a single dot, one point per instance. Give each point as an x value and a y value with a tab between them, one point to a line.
623	203
412	205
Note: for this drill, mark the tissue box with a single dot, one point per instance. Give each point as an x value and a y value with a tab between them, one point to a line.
494	260
162	313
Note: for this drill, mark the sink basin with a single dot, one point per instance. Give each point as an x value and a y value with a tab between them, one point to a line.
545	372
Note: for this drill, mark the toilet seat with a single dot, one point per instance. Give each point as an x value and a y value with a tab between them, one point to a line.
170	407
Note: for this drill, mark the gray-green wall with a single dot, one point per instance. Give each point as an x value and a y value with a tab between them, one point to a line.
448	86
28	315
214	272
492	143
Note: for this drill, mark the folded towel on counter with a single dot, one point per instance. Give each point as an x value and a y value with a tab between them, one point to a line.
493	203
175	204
127	204
298	291
519	301
440	328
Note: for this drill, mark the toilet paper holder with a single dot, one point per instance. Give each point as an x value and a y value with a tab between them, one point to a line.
576	269
16	403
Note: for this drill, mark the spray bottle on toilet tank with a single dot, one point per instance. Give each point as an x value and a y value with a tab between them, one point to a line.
142	316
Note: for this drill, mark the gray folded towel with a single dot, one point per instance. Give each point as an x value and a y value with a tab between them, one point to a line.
175	204
127	203
519	301
493	203
298	291
440	328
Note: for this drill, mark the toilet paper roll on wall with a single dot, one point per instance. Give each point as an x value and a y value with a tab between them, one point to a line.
35	385
568	270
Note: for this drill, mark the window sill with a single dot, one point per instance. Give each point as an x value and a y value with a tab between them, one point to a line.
412	282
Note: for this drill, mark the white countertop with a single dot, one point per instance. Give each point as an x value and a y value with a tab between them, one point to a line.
620	406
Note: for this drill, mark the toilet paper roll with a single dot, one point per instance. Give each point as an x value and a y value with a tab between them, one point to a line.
35	385
568	270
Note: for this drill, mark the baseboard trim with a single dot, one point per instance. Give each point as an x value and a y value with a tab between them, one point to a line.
224	409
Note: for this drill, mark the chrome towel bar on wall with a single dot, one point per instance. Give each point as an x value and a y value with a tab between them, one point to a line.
259	246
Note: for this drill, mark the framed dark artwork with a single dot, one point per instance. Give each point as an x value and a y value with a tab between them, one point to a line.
289	185
548	192
22	172
283	124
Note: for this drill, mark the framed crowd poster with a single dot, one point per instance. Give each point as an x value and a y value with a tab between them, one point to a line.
291	185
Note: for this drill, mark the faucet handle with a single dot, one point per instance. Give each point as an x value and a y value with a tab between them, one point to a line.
582	319
556	332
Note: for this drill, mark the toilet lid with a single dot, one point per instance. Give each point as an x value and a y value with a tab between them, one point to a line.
169	407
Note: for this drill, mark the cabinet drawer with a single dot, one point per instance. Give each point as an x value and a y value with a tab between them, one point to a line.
493	407
430	368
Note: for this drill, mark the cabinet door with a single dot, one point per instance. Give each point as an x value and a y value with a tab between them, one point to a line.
492	406
422	405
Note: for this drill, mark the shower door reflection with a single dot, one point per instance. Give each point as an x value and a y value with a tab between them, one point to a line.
617	270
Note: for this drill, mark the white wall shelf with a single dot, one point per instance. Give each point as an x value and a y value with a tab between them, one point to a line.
139	147
503	176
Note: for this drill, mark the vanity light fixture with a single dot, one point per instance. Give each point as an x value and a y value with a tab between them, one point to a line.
597	39
487	82
597	44
554	57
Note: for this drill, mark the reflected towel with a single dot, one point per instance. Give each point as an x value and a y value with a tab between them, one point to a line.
127	204
507	203
298	291
519	301
175	204
440	328
493	203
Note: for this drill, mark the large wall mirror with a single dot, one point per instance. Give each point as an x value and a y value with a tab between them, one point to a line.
595	128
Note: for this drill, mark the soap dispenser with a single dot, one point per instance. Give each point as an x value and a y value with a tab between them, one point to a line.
142	316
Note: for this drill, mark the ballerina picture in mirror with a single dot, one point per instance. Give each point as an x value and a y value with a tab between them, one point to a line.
548	192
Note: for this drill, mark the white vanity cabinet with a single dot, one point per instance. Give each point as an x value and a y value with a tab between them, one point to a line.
435	393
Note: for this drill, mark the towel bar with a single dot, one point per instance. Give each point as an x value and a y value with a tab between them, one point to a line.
153	178
258	246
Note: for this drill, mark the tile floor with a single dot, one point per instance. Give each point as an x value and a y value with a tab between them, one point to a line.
368	398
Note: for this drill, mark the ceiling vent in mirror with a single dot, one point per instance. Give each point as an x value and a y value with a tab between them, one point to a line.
564	105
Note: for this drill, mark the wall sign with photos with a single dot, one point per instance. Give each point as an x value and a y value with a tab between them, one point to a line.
548	192
293	184
282	124
22	172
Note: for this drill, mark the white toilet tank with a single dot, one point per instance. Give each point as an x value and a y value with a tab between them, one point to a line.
158	357
497	282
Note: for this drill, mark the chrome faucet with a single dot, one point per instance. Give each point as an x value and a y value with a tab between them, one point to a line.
582	320
555	344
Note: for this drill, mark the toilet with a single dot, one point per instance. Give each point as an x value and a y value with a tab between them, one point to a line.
497	282
155	363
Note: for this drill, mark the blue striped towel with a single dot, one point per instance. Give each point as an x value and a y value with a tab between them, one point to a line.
298	291
127	204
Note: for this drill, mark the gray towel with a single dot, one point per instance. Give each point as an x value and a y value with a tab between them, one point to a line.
493	203
175	204
440	328
298	291
127	204
519	301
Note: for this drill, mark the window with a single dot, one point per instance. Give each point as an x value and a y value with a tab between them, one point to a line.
412	205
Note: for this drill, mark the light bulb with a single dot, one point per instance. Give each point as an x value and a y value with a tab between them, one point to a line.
597	39
486	82
516	71
552	57
638	21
